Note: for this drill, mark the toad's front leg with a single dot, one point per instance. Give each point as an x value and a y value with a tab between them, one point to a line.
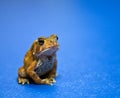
52	74
34	76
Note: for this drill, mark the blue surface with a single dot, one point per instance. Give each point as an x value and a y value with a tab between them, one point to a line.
89	56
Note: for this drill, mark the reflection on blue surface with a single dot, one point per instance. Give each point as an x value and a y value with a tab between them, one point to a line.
89	56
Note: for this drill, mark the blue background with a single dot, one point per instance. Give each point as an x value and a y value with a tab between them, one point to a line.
89	55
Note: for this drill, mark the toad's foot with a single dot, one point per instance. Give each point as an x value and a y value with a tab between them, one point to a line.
23	80
49	81
52	80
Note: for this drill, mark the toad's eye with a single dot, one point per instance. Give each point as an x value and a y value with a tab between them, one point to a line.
41	42
57	37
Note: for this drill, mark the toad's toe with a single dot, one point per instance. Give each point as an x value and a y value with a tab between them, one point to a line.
23	81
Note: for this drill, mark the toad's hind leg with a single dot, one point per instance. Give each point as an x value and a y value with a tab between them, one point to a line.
22	76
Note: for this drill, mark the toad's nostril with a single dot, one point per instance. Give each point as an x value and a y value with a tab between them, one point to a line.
51	41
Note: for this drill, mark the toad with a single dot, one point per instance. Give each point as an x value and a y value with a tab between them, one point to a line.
40	62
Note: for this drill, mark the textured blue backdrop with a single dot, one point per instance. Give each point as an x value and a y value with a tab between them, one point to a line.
89	56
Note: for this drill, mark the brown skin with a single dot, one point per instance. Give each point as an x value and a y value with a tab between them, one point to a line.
27	71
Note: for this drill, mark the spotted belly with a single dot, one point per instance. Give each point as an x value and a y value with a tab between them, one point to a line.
43	67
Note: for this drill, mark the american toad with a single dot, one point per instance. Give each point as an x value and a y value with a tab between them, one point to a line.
40	62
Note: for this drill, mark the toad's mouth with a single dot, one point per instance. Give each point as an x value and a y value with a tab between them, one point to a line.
48	51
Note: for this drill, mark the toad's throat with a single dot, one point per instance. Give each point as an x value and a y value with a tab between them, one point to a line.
47	52
44	66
